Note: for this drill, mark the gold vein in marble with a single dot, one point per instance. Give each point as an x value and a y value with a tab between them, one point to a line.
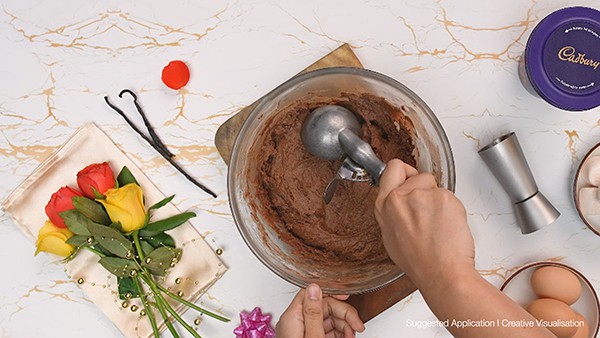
487	216
85	33
502	55
501	272
471	137
310	30
456	32
36	151
571	145
194	153
505	272
220	305
406	302
217	213
47	94
45	289
180	109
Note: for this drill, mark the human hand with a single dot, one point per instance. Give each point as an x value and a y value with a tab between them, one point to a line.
310	315
424	228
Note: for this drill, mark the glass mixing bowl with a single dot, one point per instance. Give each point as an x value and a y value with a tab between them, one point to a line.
432	153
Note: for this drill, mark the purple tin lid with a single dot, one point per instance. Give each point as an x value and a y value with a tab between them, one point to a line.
562	58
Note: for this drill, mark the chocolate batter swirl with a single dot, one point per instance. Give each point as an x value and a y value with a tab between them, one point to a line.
290	182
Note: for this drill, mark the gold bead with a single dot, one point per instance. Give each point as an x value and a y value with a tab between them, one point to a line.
171	265
90	240
128	295
197	321
125	304
148	260
178	280
219	252
180	293
133	273
134	308
80	281
129	254
142	313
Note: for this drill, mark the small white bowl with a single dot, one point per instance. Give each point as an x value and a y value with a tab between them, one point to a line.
518	287
581	181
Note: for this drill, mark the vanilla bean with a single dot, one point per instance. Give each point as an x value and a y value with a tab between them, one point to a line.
135	128
151	131
154	141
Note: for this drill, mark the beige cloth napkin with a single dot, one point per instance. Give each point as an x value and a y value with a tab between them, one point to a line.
197	270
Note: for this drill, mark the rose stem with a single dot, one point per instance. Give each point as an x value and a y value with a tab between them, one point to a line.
162	305
89	248
147	308
150	282
161	309
138	247
178	318
191	305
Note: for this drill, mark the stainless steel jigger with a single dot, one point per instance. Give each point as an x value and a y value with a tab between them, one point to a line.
507	162
331	132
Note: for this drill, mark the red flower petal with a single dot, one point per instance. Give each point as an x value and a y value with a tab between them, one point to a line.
176	74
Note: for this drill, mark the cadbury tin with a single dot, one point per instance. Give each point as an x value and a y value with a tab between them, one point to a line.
561	62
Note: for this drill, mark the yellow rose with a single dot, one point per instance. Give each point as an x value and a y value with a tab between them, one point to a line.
126	205
53	239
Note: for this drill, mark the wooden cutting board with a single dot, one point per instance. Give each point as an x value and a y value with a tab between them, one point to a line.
369	304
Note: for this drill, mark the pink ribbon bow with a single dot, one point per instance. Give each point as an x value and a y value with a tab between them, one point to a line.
254	325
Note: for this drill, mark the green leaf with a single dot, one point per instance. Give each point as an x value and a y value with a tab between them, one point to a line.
127	288
147	248
91	209
76	222
159	240
160	260
111	239
125	177
116	225
162	203
118	266
97	195
154	228
78	240
102	250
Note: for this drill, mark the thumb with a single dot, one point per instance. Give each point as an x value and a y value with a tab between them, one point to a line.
312	309
394	175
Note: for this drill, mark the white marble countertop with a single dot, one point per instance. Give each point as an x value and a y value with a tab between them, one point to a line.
60	58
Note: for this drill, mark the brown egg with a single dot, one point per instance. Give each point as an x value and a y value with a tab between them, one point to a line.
556	282
582	331
552	311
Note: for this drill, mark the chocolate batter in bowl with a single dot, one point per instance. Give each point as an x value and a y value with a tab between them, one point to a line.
276	187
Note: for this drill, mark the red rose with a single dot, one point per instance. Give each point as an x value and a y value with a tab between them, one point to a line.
59	202
98	176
